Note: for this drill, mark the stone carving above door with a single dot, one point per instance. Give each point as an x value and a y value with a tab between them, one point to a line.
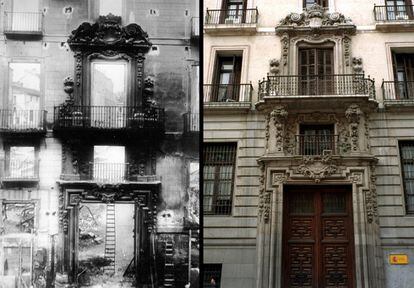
318	168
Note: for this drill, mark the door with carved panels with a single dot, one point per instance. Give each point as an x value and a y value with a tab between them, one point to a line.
318	237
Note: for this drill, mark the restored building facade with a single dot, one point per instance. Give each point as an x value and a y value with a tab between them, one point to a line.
308	135
99	128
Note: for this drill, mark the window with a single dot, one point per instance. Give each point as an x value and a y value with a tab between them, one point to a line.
218	171
233	12
315	139
22	163
308	3
24	99
227	79
407	163
212	275
109	164
108	94
25	16
110	7
315	69
398	10
403	64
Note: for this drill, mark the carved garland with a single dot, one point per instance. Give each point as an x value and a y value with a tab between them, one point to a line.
353	114
279	115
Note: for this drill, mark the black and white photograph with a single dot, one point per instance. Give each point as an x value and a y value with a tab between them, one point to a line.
99	143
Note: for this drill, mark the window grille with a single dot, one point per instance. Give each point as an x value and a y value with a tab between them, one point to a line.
407	164
218	171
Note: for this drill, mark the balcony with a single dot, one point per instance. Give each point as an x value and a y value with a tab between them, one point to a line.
398	92
110	173
316	145
227	96
394	18
195	27
110	119
191	123
231	21
22	121
23	23
22	171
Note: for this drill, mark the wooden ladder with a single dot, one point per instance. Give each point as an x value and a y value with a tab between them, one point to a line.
169	264
110	238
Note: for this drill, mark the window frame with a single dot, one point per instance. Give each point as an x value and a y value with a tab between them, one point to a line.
402	175
319	2
218	210
6	164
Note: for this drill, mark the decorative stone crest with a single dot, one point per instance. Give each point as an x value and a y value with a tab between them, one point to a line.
108	32
353	114
316	16
279	116
317	168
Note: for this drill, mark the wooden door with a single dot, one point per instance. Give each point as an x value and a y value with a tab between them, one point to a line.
315	71
318	238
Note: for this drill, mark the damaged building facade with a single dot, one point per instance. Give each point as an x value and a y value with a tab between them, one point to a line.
307	160
99	128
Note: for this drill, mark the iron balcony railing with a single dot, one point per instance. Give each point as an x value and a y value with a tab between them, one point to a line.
393	12
110	173
108	117
398	90
20	170
195	27
232	16
317	85
227	92
23	22
22	120
191	122
316	144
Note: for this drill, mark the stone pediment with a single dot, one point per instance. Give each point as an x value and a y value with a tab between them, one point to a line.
315	19
108	33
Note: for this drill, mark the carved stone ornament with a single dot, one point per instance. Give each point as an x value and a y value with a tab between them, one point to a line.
371	198
274	68
353	114
108	32
357	65
279	116
315	17
264	197
317	168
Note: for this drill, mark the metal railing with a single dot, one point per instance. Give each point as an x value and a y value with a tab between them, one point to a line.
29	22
232	16
318	85
16	169
393	12
398	90
108	117
191	122
110	173
22	120
316	144
227	92
195	27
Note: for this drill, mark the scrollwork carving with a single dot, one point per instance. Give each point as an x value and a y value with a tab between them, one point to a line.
371	198
353	114
264	196
317	168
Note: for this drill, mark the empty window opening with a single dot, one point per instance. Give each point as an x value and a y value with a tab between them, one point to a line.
109	164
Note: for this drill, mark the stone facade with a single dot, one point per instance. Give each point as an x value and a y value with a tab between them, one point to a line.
369	125
156	41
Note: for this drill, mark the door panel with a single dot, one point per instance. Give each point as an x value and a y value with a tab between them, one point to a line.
317	243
